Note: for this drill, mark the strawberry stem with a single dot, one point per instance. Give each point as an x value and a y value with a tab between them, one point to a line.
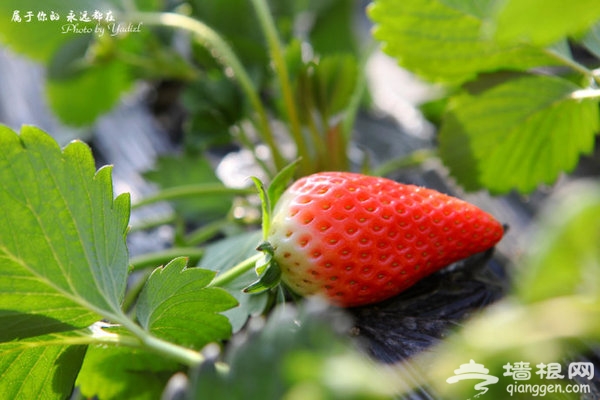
236	271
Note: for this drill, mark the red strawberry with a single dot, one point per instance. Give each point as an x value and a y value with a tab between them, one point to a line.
358	239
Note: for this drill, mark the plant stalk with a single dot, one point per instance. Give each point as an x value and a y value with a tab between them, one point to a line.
206	232
202	189
234	272
173	351
210	39
270	31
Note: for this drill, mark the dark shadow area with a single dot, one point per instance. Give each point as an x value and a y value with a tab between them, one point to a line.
24	325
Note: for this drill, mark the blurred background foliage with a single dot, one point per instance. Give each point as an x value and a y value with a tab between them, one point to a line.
517	107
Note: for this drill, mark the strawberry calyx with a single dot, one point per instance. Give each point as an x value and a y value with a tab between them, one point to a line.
267	269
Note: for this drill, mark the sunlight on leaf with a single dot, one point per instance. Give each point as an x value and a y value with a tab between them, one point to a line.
543	22
124	373
517	134
176	305
445	44
62	235
220	257
478	8
44	372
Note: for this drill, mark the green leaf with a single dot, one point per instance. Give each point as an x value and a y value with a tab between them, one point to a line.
124	373
171	172
565	258
326	87
215	103
63	256
85	75
591	40
267	280
265	203
39	39
517	134
332	30
38	372
280	182
335	79
305	359
236	21
80	99
445	44
69	59
543	22
222	255
543	332
478	8
175	305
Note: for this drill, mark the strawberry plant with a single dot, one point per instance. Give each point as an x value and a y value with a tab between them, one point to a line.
64	265
207	318
231	91
64	294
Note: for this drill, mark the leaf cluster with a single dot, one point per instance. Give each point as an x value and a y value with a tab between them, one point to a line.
64	266
521	105
70	319
247	63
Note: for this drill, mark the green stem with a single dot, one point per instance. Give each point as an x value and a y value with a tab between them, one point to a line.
206	232
153	260
236	271
170	350
415	158
83	337
151	224
210	39
270	31
202	189
141	339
